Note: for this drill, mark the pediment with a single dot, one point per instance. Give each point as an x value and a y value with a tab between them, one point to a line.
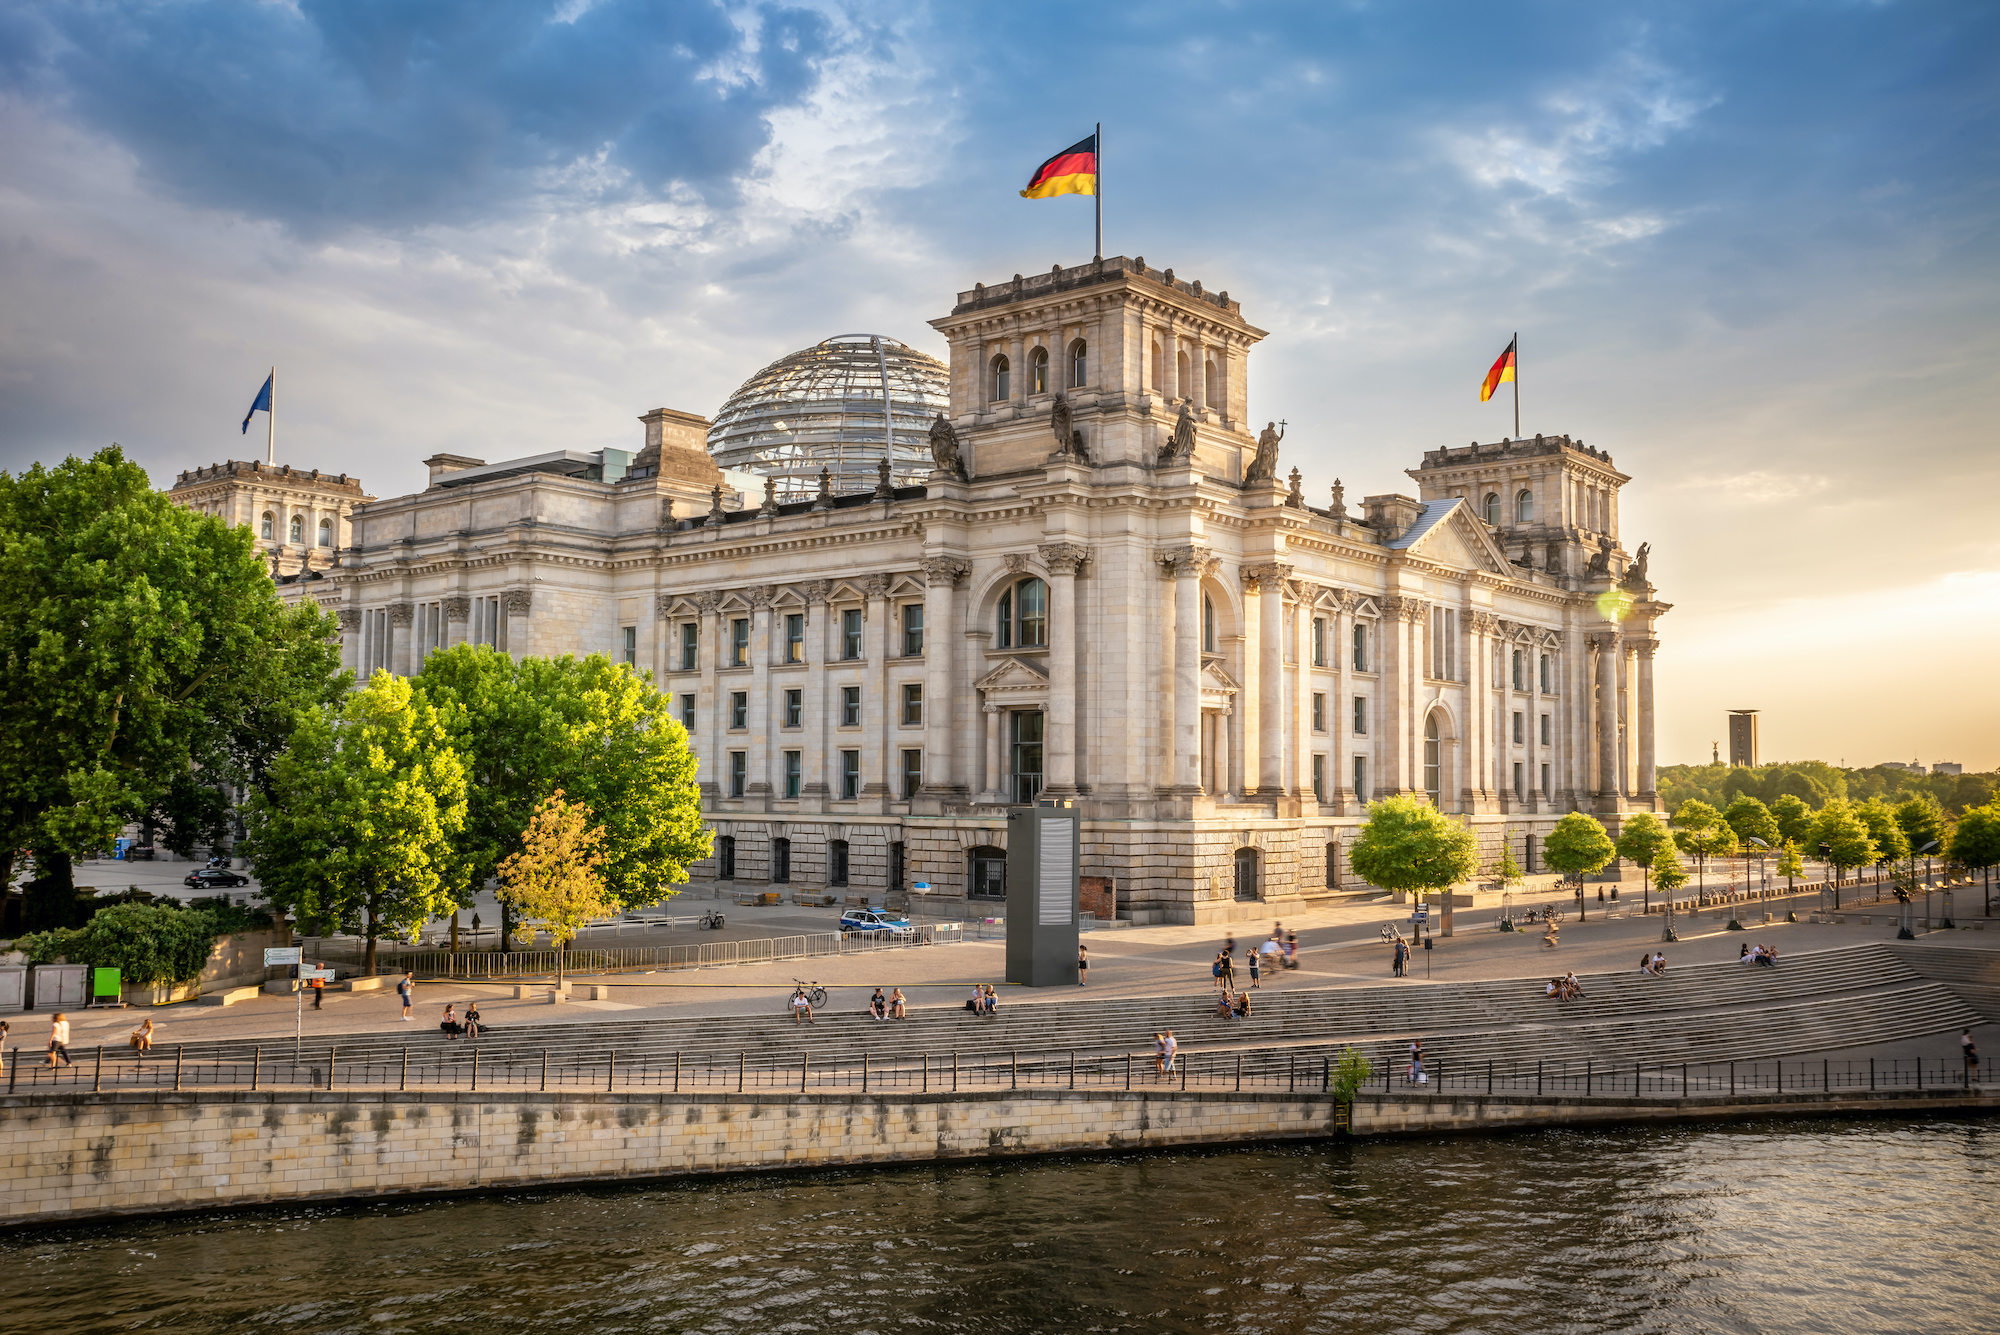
1214	678
1455	538
1015	675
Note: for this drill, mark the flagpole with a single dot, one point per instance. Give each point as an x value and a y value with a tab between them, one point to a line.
271	423
1517	384
1098	193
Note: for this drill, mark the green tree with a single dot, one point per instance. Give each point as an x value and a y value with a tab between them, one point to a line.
1408	844
1504	869
589	727
149	944
1975	842
1921	820
1842	838
557	878
1891	844
1668	873
1702	833
1750	819
1790	865
1642	840
1578	846
1794	817
363	805
1349	1074
145	659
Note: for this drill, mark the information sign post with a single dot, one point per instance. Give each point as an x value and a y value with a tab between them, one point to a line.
279	956
1042	895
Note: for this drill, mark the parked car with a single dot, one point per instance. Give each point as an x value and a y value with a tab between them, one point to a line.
874	920
208	878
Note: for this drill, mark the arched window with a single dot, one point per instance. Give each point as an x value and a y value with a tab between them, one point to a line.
1524	507
1038	372
1493	508
1159	368
1207	624
1212	387
270	526
1000	370
1182	382
1078	364
326	533
1433	761
1024	615
298	529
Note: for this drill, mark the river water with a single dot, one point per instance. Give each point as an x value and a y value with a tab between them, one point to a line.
1882	1225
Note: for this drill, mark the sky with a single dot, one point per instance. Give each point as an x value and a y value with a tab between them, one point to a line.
1749	248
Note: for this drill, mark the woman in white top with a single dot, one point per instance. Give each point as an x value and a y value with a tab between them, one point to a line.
59	1040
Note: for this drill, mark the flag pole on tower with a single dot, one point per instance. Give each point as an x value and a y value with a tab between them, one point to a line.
1505	368
1097	195
266	403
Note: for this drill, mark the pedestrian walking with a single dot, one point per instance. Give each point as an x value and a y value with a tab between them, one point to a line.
1256	970
1228	970
1160	1056
1416	1074
59	1040
1971	1052
1215	970
318	986
406	990
1401	963
1082	964
1172	1051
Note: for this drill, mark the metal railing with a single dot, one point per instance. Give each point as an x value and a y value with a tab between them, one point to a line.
522	964
321	1066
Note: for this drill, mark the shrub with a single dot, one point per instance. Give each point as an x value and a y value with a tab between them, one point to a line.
148	944
1350	1074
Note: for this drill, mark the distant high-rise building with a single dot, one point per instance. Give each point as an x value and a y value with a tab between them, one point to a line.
1947	767
1743	737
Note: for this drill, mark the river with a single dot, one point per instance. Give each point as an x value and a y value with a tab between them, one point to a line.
1863	1226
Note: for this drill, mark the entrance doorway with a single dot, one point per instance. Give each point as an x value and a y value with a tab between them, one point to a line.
989	873
1246	873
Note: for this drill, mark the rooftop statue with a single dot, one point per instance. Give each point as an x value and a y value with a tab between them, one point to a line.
1180	445
944	449
1264	468
1635	574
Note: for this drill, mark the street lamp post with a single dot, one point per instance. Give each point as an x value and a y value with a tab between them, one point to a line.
1759	855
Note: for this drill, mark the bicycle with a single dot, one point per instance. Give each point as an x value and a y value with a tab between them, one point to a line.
712	920
815	994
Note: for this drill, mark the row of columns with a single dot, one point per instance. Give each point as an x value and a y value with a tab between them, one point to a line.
397	636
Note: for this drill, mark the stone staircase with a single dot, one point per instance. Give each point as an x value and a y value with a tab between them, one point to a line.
1972	974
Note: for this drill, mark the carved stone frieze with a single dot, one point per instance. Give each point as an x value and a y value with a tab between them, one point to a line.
945	571
710	602
1485	623
402	614
1191	559
1273	573
458	607
1063	558
876	586
518	602
1017	563
818	589
350	620
760	595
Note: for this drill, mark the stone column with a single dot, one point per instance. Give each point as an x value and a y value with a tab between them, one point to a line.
1184	566
1063	560
401	615
941	642
1340	726
457	612
1400	769
877	709
1198	391
1606	645
710	720
350	640
1301	702
1648	773
993	715
1267	580
813	789
763	723
519	605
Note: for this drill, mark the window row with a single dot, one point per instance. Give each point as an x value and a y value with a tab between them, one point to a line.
847	781
1000	372
839	861
792	643
268	530
793	708
1524	508
1181	385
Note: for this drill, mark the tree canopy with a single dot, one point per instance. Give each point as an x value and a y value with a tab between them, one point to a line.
1841	838
1922	821
357	827
145	657
1408	844
1643	838
556	878
1794	817
1975	841
1669	874
1891	844
1578	845
1815	783
1750	819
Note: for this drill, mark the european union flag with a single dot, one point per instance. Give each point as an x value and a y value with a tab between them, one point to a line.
262	404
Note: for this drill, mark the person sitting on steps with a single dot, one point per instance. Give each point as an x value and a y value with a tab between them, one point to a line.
878	1005
898	1008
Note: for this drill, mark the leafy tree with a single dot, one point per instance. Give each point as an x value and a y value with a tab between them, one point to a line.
1668	873
1504	869
1891	844
1642	840
1408	844
1844	838
149	944
1790	865
1750	819
588	727
145	658
1794	817
1578	845
557	877
1922	820
1349	1074
362	808
1702	833
1975	841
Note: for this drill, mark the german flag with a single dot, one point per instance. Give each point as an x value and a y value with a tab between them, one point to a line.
1070	172
1502	372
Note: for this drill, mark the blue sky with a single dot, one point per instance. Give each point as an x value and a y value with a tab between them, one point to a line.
1750	249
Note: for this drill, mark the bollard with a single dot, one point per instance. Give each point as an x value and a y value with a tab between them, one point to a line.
1489	1077
1732	1080
1072	1068
1684	1080
1128	1068
1014	1071
864	1073
1184	1065
927	1073
1239	1071
1538	1078
256	1066
954	1073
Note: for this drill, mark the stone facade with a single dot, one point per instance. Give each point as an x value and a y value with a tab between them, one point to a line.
301	518
1105	594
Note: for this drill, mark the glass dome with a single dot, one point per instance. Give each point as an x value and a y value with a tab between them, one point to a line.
834	405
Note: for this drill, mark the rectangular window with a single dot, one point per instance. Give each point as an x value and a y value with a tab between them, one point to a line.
913	773
1545	730
1361	777
850	775
1319	641
913	703
913	630
1360	647
1520	670
739	642
739	772
1547	674
795	637
1319	777
850	633
725	858
1026	728
1520	783
781	860
687	711
794	770
739	709
1360	716
794	707
1319	711
836	862
1545	781
690	646
1444	643
630	648
1519	736
850	706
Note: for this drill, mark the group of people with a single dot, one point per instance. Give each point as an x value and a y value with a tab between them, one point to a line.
1653	965
1765	955
984	1000
892	1007
1166	1050
1279	951
1565	988
1233	1005
454	1027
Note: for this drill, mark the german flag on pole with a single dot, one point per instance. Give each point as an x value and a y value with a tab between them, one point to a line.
1502	372
1070	172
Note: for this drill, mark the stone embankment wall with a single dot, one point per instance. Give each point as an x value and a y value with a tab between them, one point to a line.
66	1158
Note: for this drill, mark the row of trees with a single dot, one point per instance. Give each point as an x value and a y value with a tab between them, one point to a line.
564	778
1815	783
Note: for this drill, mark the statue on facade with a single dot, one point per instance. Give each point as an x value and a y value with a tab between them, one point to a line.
1264	468
1295	497
1600	561
1635	574
1339	507
944	449
1180	445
